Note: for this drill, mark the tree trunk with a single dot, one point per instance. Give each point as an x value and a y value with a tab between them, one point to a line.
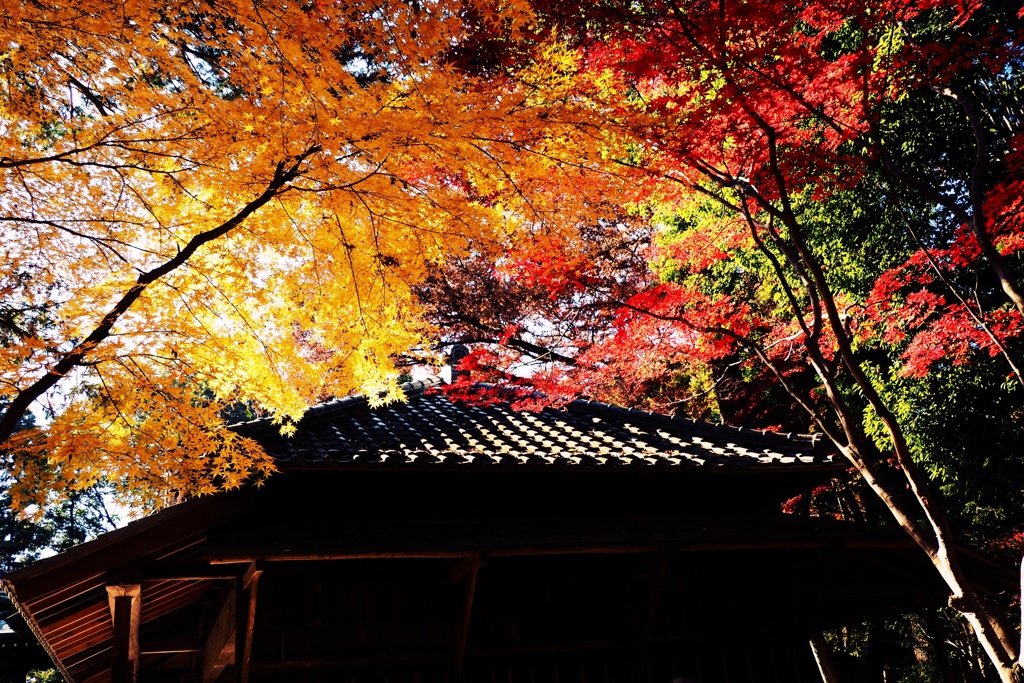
936	542
933	535
823	657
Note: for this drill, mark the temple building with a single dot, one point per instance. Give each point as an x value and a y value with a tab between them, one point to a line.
436	541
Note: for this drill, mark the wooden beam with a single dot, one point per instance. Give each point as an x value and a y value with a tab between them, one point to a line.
469	569
169	647
249	555
245	553
252	573
219	650
122	664
188	571
126	613
245	618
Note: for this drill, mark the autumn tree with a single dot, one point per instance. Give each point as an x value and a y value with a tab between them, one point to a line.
207	203
838	185
214	203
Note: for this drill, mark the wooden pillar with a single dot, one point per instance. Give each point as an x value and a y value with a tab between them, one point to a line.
245	618
219	650
126	613
230	639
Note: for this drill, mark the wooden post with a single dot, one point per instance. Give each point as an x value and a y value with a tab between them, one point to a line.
245	618
126	613
219	650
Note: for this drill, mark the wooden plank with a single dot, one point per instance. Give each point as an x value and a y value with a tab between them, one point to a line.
180	594
93	633
75	622
219	650
126	613
56	601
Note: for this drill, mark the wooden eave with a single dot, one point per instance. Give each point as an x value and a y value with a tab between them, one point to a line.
181	555
54	594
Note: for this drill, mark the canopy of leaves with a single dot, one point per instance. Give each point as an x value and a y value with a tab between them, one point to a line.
206	203
873	146
790	214
838	185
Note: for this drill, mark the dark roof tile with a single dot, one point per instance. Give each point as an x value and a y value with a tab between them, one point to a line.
430	430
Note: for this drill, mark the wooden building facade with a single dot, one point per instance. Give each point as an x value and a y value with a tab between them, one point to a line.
437	542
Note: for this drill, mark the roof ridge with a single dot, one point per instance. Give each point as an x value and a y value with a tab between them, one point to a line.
336	406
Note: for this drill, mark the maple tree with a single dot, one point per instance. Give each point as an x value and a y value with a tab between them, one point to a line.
213	203
223	203
839	187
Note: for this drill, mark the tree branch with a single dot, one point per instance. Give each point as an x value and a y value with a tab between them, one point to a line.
283	174
1007	278
977	317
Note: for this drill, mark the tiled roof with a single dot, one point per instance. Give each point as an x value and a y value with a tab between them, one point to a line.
431	430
